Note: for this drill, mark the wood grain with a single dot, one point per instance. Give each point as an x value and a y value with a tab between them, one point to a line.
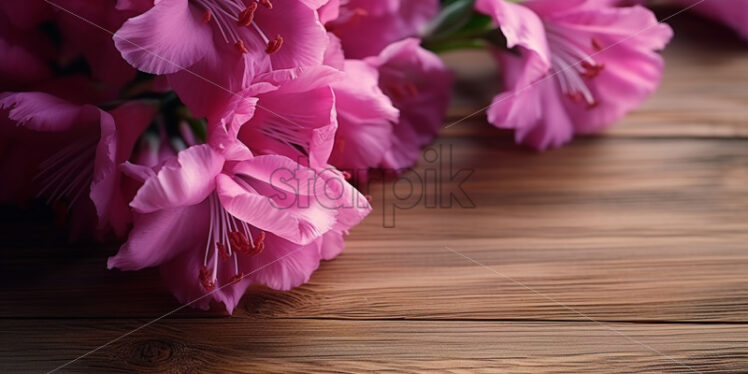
643	229
309	345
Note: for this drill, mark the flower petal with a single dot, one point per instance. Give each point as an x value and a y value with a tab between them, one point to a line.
365	118
534	109
283	265
188	180
521	27
119	132
40	111
167	38
158	237
299	220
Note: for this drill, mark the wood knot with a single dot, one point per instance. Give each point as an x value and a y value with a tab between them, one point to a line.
154	352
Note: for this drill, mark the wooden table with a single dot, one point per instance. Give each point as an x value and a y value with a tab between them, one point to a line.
625	252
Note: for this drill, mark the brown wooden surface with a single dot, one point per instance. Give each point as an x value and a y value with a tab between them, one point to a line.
625	252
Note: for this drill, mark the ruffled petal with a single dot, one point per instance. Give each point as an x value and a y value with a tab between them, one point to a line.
533	109
188	180
120	130
304	37
420	86
269	207
182	276
631	67
365	118
159	237
332	245
367	27
40	111
297	119
167	38
283	265
521	27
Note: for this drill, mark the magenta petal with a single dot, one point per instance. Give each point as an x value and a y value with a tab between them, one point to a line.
105	169
332	245
167	38
119	132
283	265
40	112
305	39
533	108
137	6
366	27
420	86
521	27
299	220
160	236
334	55
330	11
182	276
298	118
365	118
138	173
188	180
632	69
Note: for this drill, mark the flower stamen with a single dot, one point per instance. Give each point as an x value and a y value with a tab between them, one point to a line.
67	174
572	65
230	16
227	237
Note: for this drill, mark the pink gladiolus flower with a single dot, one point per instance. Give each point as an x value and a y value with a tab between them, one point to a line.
217	219
295	114
365	119
419	85
68	154
581	66
367	27
212	48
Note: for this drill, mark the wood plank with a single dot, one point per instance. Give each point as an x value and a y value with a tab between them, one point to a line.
704	92
618	229
306	345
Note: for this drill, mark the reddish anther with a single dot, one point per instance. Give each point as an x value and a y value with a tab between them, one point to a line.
240	47
223	251
575	96
239	242
207	16
236	278
591	70
247	15
596	45
259	243
274	45
206	279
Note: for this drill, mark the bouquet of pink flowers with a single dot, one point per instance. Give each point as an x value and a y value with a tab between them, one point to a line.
219	138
